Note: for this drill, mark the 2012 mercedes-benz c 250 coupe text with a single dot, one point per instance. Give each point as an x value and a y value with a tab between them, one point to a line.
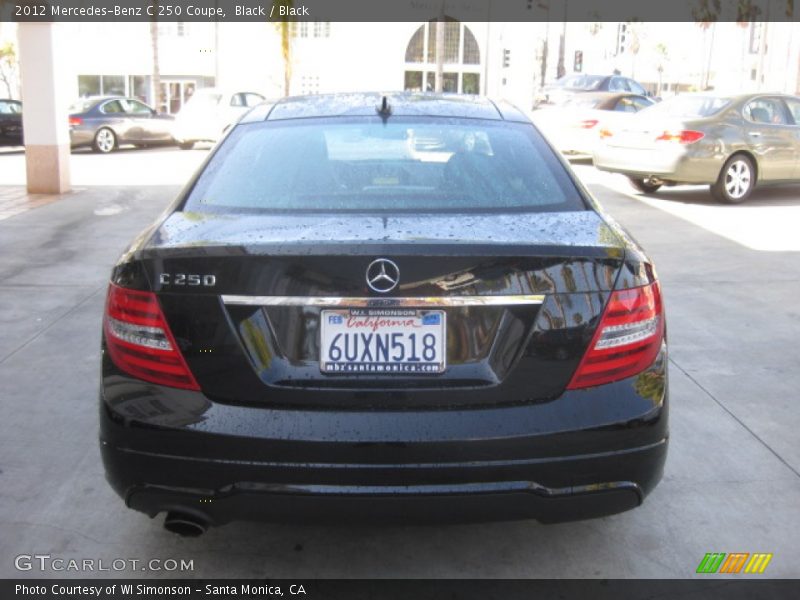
392	307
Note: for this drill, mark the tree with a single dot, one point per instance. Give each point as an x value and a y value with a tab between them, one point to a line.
562	45
663	57
8	66
284	27
635	32
706	12
561	69
545	5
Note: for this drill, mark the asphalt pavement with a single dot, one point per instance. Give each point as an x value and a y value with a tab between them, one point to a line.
730	277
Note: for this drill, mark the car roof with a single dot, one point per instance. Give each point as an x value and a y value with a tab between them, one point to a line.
587	75
216	90
100	98
733	98
608	95
95	100
400	104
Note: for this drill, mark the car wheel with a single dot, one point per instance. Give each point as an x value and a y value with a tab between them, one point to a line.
648	185
186	145
736	180
104	140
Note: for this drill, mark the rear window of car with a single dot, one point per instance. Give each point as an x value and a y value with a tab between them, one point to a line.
80	106
581	82
689	106
366	164
9	107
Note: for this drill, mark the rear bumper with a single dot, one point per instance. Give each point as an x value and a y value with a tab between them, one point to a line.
188	131
586	454
579	142
679	164
281	501
81	136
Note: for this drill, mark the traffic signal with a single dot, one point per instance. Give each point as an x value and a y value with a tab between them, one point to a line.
577	64
506	58
622	38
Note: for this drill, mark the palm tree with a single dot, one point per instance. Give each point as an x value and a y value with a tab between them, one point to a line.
545	5
562	44
284	28
663	54
635	45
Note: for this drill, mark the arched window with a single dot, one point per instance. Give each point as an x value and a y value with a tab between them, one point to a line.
416	47
461	57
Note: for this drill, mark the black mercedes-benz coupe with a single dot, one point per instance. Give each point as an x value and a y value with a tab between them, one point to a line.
401	307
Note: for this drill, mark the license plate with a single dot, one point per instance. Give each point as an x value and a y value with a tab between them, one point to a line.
632	139
382	341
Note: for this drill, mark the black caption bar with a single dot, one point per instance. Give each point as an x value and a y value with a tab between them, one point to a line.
393	589
395	10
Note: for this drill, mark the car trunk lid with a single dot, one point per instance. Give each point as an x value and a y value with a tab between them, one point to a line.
244	296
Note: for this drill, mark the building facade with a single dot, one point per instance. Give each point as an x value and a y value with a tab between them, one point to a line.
504	60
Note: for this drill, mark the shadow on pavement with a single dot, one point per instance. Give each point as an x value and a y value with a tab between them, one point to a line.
784	195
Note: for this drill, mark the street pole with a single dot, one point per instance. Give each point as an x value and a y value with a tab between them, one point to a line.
216	45
562	45
439	52
486	51
762	51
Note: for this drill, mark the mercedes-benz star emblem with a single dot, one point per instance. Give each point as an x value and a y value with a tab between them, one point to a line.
382	275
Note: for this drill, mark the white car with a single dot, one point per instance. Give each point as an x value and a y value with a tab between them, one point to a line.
209	112
576	127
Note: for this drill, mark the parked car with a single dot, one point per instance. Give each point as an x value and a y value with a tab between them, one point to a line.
106	122
558	92
10	122
209	112
728	142
576	127
402	307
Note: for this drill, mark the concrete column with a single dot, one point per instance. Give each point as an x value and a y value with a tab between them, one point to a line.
45	103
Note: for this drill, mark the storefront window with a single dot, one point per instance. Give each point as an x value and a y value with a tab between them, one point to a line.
88	85
139	88
471	83
113	85
413	81
450	83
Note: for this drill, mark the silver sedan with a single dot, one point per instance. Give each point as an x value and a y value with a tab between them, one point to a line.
728	142
104	123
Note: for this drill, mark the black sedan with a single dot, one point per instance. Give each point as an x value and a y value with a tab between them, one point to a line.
10	122
106	122
398	307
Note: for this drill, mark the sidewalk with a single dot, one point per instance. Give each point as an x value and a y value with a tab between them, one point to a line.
15	200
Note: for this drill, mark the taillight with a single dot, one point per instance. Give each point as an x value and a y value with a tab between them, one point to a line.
685	136
587	123
627	340
139	341
75	121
